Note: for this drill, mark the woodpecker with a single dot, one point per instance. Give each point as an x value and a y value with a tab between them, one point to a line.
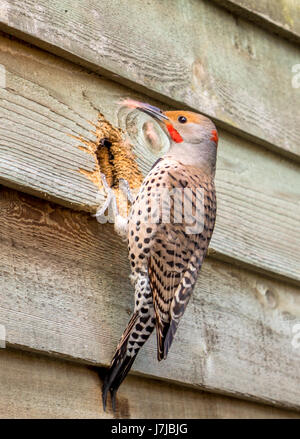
167	249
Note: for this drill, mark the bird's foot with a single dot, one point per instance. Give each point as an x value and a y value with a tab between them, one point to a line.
120	222
109	202
125	188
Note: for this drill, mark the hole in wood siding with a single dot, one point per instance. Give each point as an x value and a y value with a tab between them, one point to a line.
114	158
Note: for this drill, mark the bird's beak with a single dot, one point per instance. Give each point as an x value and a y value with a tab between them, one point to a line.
146	108
153	111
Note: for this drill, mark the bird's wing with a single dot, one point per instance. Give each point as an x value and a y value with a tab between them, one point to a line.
176	258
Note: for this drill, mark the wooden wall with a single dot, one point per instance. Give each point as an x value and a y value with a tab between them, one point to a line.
34	386
64	288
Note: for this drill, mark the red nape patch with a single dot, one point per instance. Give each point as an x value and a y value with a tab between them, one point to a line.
214	136
174	133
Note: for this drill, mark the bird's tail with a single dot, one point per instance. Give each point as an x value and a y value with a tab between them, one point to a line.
135	335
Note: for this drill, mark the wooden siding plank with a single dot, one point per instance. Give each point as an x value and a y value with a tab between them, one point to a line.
281	17
64	290
46	99
34	386
191	53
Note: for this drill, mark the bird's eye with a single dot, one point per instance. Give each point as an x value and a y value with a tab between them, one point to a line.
182	119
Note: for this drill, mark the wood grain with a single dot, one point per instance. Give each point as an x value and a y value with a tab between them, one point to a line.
47	98
281	17
34	386
64	290
189	53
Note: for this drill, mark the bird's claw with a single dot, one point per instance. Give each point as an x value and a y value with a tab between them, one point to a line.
124	186
120	222
104	181
110	201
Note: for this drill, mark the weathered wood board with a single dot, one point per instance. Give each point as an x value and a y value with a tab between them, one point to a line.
281	17
64	287
212	62
64	290
46	99
59	389
33	386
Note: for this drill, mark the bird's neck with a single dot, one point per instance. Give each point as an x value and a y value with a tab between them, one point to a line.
202	156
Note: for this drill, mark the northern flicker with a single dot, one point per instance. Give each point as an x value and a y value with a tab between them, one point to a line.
166	246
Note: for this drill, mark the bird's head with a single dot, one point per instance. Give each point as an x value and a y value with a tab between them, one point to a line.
193	137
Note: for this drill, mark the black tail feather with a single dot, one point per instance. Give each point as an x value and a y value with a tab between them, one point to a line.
114	378
161	333
136	333
169	338
120	365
